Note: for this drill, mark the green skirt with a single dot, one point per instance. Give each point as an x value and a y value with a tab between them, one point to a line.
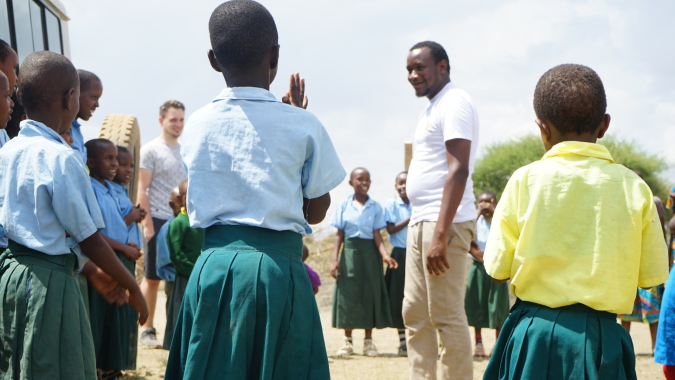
44	329
173	308
360	299
395	282
486	303
249	311
571	342
114	328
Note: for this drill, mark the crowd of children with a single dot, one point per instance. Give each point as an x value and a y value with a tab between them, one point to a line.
240	298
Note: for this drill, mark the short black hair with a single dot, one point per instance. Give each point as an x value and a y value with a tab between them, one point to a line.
489	193
94	146
242	33
5	49
86	77
572	98
403	172
122	149
437	51
44	78
351	175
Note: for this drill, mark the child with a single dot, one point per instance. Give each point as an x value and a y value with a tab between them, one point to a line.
486	303
259	173
9	62
6	105
46	196
113	326
91	90
664	352
576	233
397	215
185	246
132	214
163	264
314	278
360	299
67	137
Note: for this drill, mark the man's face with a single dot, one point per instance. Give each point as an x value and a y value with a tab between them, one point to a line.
173	122
89	99
424	74
9	69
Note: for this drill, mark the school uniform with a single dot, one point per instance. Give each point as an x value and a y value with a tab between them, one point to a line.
360	299
44	195
570	288
185	246
114	327
164	266
486	303
78	140
395	211
664	350
121	193
4	138
249	311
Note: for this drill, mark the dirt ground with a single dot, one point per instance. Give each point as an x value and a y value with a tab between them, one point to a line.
151	362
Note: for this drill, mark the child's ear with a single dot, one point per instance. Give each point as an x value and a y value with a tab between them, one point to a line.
604	126
544	129
214	61
70	101
274	57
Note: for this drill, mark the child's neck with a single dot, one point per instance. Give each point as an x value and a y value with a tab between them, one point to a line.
361	198
120	183
101	180
48	118
258	77
405	200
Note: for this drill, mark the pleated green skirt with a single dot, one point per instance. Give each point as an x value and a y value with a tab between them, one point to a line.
114	329
248	311
44	329
486	303
571	342
173	308
360	299
394	279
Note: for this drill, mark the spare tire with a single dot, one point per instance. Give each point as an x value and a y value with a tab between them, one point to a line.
123	130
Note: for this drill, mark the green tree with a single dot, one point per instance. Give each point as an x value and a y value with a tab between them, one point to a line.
494	168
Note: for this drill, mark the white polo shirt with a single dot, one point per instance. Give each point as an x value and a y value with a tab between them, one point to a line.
450	115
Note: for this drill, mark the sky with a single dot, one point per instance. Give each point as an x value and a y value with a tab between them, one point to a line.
352	54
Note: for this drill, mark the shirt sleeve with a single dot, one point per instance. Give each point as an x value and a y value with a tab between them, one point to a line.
378	220
175	236
504	233
147	158
338	217
73	199
322	170
457	118
390	212
654	258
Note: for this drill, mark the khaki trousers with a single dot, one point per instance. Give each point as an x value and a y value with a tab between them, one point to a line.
433	306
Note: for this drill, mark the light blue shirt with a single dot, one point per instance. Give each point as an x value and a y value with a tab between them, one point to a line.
482	232
359	223
45	191
115	228
395	211
122	194
251	159
4	138
164	266
78	140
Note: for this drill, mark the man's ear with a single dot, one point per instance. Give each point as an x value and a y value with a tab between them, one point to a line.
214	61
274	57
604	126
443	66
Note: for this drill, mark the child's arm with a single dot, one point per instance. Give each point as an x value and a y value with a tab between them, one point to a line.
134	216
100	254
315	209
393	228
339	238
391	263
131	251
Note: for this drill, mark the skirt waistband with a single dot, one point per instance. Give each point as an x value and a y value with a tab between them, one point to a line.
360	244
520	304
247	238
64	263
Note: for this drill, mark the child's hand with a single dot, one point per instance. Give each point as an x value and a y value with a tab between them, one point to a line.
137	301
296	92
335	270
132	252
136	214
476	253
143	212
108	288
391	263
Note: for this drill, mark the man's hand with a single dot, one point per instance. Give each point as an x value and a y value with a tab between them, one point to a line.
148	230
335	270
108	288
296	92
437	260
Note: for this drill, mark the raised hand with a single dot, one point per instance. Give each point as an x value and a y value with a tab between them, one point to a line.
296	92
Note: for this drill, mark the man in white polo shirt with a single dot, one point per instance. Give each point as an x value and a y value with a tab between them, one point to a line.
442	224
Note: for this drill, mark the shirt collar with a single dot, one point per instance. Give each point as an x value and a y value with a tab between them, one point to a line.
32	128
368	202
95	183
183	211
76	124
399	201
118	187
581	149
245	93
440	94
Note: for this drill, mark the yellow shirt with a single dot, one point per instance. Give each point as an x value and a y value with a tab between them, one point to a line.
576	227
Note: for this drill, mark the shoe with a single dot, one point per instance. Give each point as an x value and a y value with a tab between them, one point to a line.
369	348
346	349
403	351
480	351
149	338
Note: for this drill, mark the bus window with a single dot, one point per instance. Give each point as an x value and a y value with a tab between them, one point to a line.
22	28
53	32
36	22
4	23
